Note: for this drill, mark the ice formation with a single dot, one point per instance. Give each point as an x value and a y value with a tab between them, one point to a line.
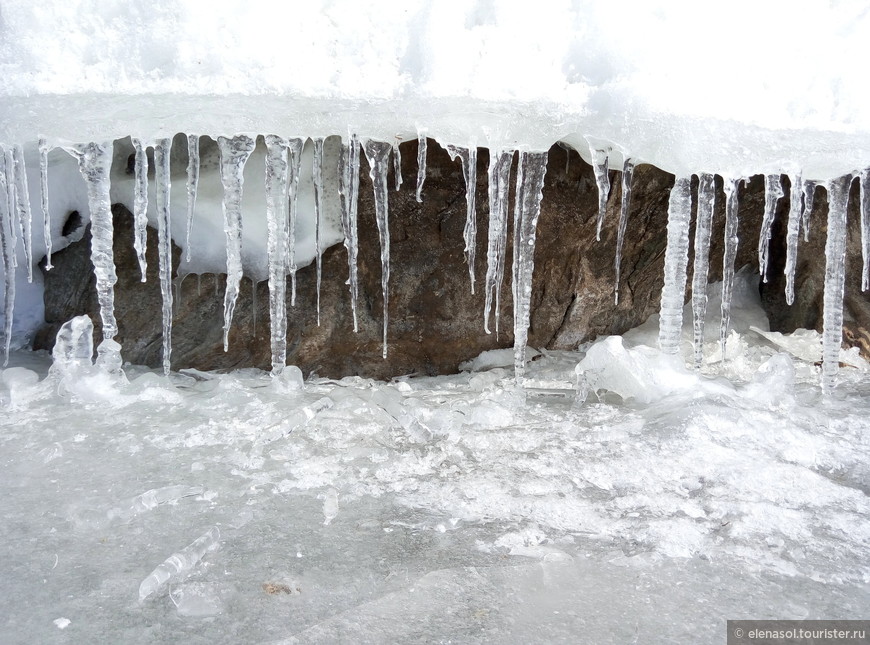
349	191
602	180
22	203
180	563
421	163
162	149
7	247
192	184
729	255
499	184
703	226
468	158
772	194
835	279
317	173
140	204
378	155
43	190
627	172
676	259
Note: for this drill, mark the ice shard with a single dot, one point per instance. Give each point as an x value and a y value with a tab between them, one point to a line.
7	249
95	163
701	269
627	172
318	214
378	155
809	193
602	180
234	153
180	563
162	187
294	159
527	208
349	192
43	191
865	228
772	194
421	164
277	173
500	162
22	203
835	280
397	164
792	234
192	186
140	204
729	255
676	259
468	160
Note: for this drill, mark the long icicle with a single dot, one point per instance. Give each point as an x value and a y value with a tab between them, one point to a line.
295	160
7	248
627	172
234	153
349	190
602	180
809	193
421	163
499	183
277	170
44	149
835	280
11	201
192	186
378	155
676	259
795	196
865	228
318	214
162	188
530	186
140	204
701	268
729	256
468	160
397	164
772	194
19	172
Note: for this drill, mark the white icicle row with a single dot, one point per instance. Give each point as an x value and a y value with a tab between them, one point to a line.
378	155
294	158
835	280
627	172
602	180
676	259
192	185
277	170
792	234
809	193
530	186
701	269
865	228
7	250
162	188
140	204
421	164
44	149
772	194
234	153
729	255
397	164
318	214
468	160
349	190
22	201
500	162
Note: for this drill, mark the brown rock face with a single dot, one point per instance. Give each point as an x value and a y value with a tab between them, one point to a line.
435	321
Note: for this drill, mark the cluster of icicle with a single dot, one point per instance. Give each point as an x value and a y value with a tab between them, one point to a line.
282	170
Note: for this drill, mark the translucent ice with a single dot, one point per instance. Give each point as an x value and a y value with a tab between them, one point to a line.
349	191
772	194
43	191
22	202
729	255
277	172
421	164
865	228
73	346
7	248
792	233
318	214
676	259
192	185
835	278
602	180
180	563
162	187
499	183
703	226
468	160
140	204
294	158
378	155
627	171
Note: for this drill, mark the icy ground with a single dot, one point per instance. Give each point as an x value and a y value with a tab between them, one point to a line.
451	509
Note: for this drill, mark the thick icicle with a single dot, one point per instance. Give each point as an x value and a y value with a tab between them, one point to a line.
676	259
468	160
499	184
140	204
7	249
318	214
192	185
809	194
530	186
602	180
164	241
234	154
22	201
294	147
95	163
729	255
835	280
378	155
277	170
627	172
865	228
9	183
701	269
421	164
792	234
43	191
349	189
772	194
397	164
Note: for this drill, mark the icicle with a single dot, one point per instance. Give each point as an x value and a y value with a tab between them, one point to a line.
19	173
530	186
468	160
43	190
378	155
318	214
792	234
865	228
11	202
421	164
349	190
835	279
602	180
294	159
397	164
676	259
140	205
7	249
627	171
729	255
772	194
164	241
499	183
277	171
192	184
180	563
95	163
234	154
809	193
701	269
